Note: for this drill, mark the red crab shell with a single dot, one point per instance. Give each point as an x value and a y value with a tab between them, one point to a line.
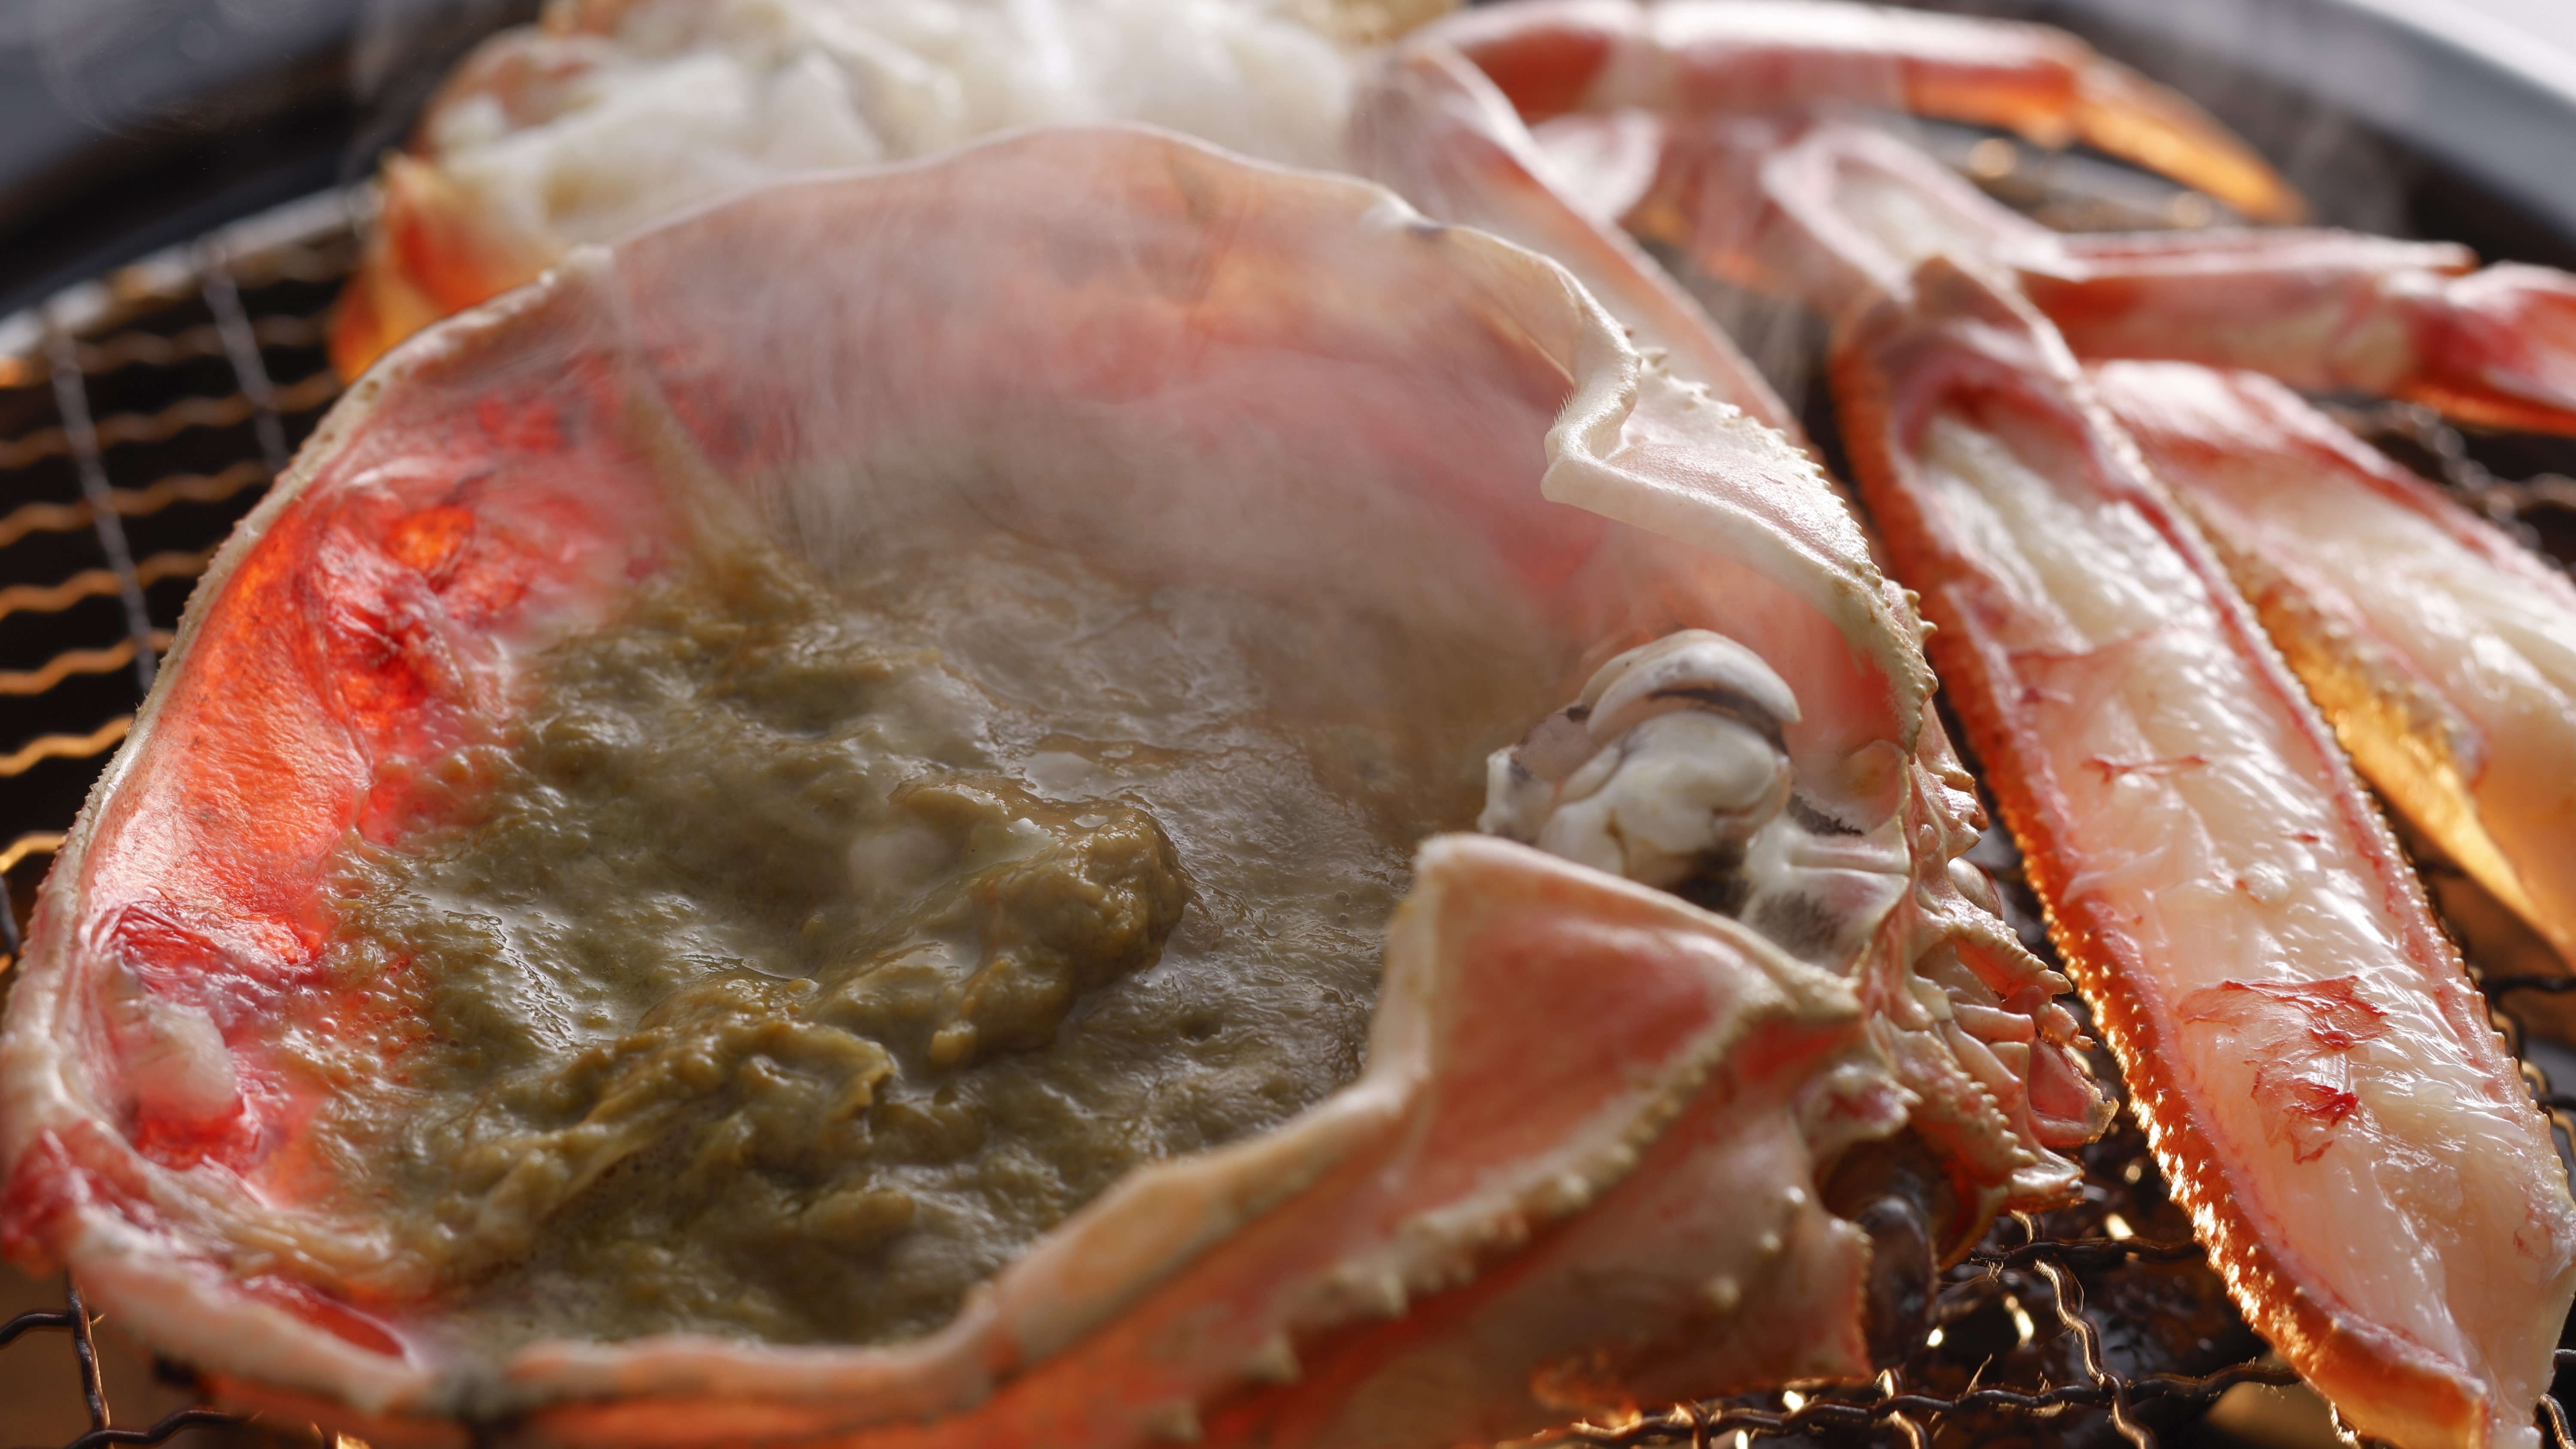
1585	1103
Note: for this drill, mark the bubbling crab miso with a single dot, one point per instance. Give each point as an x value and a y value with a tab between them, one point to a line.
804	948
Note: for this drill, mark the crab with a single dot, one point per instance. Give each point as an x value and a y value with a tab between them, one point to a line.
2297	1030
2256	948
2450	689
614	111
1568	125
1612	1141
2460	711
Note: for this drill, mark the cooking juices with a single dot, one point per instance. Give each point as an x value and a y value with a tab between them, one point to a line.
800	951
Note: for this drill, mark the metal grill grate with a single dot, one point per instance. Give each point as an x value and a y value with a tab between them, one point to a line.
141	416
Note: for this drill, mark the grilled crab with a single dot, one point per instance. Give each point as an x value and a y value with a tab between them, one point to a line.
2440	649
1611	1141
2190	820
1557	124
2258	952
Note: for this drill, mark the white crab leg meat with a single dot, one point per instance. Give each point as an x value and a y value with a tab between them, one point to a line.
2438	647
2317	1074
2443	652
614	114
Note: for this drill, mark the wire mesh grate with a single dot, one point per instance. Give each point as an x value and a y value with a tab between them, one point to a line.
142	416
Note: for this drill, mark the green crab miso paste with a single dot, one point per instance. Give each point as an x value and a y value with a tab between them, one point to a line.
803	948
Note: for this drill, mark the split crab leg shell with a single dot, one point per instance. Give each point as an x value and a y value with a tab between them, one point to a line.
2316	1073
1689	58
1827	210
1582	1167
2443	652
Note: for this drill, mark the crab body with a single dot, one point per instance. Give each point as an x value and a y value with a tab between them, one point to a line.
1116	340
1692	125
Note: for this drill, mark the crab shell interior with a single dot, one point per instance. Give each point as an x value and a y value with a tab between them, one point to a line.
1114	341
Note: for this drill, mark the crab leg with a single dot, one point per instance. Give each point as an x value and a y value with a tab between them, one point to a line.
2494	346
2453	688
2301	1041
2096	636
1830	209
1984	457
2444	652
1699	57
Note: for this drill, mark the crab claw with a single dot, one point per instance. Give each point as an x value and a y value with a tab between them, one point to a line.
2298	1033
1689	58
